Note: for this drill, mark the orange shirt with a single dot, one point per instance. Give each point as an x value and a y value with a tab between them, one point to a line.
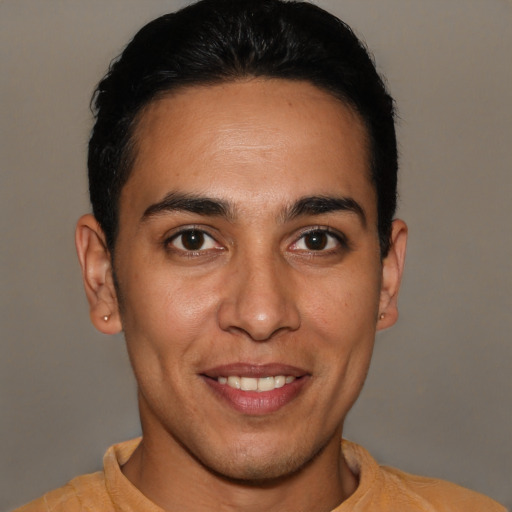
380	489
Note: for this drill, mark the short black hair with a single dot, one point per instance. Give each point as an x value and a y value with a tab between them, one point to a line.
215	41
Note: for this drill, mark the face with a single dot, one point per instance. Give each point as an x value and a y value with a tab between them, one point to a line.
249	274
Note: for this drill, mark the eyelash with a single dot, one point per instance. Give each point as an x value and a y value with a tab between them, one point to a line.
340	240
168	242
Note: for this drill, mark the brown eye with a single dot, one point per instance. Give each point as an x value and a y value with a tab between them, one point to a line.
316	240
193	240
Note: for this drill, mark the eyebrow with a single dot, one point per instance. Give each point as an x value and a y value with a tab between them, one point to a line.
319	205
200	205
175	201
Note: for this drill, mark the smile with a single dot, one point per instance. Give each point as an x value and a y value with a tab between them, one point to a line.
256	384
256	390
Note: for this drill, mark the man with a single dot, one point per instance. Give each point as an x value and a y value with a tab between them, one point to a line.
242	174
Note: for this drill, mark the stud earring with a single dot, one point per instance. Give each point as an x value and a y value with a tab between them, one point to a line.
106	317
381	316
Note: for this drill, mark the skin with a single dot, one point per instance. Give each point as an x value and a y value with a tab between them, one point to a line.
257	291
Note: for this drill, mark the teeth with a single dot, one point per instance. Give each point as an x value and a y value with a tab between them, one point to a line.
266	384
248	384
234	382
279	381
253	384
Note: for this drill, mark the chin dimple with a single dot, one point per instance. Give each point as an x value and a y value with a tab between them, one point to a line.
256	384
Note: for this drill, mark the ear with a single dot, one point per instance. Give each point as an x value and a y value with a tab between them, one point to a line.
392	270
97	275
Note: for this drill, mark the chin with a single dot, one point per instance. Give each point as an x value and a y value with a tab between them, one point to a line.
260	469
257	473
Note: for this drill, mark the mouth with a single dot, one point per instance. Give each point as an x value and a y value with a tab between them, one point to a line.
260	385
256	389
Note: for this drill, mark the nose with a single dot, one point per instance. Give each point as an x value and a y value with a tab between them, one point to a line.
258	299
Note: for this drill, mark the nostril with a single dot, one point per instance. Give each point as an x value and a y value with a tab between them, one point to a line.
260	332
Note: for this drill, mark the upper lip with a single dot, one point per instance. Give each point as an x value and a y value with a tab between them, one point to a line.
254	370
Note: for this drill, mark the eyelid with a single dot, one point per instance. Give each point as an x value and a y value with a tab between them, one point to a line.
182	230
340	238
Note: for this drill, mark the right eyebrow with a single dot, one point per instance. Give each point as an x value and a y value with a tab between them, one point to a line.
179	202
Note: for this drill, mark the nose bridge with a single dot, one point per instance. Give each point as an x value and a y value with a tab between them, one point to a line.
259	299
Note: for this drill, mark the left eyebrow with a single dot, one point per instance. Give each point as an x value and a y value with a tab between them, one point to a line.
319	205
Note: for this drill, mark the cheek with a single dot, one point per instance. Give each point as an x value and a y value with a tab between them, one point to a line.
345	304
342	315
164	313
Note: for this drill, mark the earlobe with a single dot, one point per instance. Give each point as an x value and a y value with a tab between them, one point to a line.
392	270
97	276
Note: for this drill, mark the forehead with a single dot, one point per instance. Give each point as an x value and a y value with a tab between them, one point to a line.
230	139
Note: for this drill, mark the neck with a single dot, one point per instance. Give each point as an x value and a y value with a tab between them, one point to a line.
174	480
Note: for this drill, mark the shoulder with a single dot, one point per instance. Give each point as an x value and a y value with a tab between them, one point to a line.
386	489
94	492
438	495
82	494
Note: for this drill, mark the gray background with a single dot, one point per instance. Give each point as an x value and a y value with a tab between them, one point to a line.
438	399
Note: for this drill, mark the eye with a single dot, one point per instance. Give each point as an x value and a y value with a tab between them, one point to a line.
317	240
192	240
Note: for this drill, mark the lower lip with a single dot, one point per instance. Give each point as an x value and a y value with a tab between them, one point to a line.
256	403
